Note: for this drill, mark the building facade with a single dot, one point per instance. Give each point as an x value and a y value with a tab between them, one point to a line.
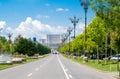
43	41
54	40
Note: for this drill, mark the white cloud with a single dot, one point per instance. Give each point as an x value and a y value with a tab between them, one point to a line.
34	28
80	28
2	24
62	9
9	29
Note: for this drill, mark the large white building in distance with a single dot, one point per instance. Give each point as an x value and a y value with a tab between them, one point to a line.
52	41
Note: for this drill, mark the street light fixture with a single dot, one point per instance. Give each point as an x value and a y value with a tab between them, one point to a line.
74	21
85	3
9	36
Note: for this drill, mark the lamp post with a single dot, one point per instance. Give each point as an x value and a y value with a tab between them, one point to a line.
9	36
85	3
74	21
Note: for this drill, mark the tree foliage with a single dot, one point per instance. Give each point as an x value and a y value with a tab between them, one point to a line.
25	46
106	25
6	47
3	39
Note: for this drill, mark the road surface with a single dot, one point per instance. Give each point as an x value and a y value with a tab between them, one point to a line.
52	67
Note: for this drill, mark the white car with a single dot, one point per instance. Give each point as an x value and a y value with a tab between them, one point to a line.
115	57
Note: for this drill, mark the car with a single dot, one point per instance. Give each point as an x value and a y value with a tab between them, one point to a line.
115	57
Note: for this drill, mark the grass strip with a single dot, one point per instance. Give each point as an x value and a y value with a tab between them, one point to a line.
5	66
110	66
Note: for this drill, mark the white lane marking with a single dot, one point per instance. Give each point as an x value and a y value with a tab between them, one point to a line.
30	74
63	68
36	69
70	76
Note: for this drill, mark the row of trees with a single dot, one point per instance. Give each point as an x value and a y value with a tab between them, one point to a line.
22	46
103	35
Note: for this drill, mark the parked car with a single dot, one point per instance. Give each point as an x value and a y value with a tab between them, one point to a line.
115	57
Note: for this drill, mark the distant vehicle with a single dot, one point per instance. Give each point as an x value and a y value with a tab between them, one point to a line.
115	57
55	52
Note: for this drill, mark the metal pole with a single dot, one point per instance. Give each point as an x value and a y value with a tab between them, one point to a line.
85	3
85	30
74	21
74	25
74	31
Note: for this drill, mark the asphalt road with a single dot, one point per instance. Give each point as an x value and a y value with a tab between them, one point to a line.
53	67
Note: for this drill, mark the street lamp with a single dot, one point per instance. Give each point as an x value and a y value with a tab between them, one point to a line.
85	3
74	21
9	36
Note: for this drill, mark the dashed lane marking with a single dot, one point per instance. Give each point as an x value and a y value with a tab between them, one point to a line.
70	76
30	74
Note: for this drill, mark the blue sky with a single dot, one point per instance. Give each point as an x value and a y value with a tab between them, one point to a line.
40	17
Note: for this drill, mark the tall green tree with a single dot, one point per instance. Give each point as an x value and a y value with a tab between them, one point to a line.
31	48
6	47
1	46
109	11
21	46
78	43
3	39
96	31
27	46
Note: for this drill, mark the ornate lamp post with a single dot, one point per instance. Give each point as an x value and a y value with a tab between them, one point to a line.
9	36
74	21
85	3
